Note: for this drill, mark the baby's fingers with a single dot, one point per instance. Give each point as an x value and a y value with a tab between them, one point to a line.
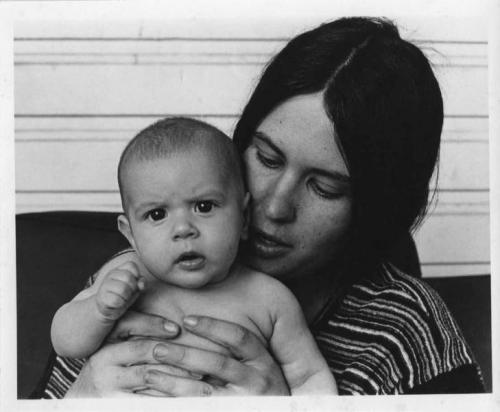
132	279
115	296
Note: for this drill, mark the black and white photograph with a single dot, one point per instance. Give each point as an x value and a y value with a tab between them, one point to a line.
260	206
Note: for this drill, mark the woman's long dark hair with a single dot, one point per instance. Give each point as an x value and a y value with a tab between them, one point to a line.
387	111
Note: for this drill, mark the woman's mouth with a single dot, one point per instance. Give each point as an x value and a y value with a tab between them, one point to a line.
268	246
190	261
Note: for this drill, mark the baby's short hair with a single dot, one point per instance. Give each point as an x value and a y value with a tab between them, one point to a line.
174	135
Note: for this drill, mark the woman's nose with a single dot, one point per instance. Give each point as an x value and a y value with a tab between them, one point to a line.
184	229
280	203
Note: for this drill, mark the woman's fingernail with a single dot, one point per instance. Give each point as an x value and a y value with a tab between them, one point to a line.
160	351
195	375
170	327
140	284
151	376
190	321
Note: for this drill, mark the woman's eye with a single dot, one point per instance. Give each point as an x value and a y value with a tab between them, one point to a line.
325	192
268	161
204	206
156	214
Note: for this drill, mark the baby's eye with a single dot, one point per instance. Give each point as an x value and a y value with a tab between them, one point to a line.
156	214
204	206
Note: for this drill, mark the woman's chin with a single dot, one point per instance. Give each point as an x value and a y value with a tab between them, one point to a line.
280	267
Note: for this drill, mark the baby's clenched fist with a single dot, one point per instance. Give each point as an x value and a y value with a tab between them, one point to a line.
118	290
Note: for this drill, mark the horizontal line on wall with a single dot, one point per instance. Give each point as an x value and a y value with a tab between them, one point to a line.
129	53
475	213
455	263
217	39
160	39
455	130
203	52
446	206
462	66
114	191
455	141
72	140
191	63
117	115
475	190
118	139
136	53
50	191
223	115
466	116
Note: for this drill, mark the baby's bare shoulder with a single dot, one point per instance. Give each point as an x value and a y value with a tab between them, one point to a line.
264	288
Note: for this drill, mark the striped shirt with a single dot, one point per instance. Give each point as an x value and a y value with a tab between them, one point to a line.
390	333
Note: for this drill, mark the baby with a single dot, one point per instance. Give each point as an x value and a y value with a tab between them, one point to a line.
185	205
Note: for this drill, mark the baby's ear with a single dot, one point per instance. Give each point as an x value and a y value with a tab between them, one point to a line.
124	228
246	216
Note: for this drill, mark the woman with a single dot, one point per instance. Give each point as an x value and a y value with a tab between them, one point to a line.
340	139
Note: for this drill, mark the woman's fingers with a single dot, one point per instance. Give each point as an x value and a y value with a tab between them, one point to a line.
202	362
131	352
253	372
241	342
121	368
134	377
101	378
151	392
177	386
142	324
175	371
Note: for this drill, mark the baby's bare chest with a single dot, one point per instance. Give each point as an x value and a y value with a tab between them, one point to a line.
175	303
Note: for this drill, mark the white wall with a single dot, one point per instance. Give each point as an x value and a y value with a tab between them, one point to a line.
82	90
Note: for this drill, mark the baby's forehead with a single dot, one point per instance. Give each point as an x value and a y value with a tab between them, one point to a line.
212	166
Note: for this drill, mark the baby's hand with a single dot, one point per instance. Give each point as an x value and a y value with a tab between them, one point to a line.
119	289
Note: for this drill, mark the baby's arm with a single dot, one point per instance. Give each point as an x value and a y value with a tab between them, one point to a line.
293	345
80	326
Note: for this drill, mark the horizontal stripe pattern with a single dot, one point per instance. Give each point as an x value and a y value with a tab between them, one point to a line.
390	334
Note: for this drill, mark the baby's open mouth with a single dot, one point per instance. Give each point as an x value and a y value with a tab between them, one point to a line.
190	261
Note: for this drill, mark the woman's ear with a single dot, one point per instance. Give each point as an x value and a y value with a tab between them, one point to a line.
246	216
125	229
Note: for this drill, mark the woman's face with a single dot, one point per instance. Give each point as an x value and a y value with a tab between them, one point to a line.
299	183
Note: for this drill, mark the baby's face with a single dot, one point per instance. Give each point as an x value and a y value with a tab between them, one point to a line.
184	219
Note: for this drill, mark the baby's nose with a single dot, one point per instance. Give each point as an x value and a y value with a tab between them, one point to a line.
184	229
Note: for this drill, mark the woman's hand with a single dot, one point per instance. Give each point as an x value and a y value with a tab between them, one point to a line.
120	369
250	371
116	369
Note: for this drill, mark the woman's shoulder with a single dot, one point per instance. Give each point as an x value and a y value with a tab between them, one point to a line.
391	333
389	285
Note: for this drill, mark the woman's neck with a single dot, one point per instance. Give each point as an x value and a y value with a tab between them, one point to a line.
314	293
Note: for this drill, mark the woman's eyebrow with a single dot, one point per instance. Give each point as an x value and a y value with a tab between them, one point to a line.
267	140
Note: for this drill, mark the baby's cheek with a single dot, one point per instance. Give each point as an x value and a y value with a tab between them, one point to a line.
229	251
